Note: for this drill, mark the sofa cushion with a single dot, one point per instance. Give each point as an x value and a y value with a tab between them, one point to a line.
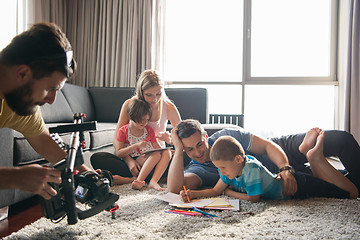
59	111
79	100
191	102
23	152
103	136
108	102
213	128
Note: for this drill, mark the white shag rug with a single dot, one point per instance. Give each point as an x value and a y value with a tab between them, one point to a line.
142	216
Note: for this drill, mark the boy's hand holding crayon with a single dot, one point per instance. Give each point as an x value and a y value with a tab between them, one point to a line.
185	195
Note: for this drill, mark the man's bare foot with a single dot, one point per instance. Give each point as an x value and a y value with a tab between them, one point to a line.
137	184
156	186
309	140
317	152
118	180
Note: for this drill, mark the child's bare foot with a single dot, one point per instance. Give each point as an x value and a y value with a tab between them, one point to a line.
317	152
118	180
137	184
156	186
309	140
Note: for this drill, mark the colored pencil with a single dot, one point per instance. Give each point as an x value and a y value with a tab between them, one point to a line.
186	193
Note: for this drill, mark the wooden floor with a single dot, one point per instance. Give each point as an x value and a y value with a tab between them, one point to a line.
20	215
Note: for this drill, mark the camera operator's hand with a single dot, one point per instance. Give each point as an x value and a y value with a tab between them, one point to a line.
32	178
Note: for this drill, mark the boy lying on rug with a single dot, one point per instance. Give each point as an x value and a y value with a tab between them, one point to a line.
250	180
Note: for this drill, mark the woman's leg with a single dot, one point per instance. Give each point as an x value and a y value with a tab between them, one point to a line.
110	162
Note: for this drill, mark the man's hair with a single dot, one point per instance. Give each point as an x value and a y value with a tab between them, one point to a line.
44	48
225	148
188	127
138	109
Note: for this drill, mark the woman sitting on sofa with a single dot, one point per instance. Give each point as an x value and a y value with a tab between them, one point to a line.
149	88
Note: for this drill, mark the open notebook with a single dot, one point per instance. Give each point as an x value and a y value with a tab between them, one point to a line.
217	203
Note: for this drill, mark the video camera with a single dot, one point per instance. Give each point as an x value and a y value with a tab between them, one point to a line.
90	188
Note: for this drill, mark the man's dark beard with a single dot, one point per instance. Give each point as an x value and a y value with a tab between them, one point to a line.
20	100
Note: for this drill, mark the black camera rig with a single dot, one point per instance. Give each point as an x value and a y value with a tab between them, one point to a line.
89	188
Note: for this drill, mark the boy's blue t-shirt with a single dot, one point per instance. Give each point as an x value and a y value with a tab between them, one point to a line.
255	179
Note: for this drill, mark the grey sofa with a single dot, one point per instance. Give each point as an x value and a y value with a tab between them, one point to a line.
101	105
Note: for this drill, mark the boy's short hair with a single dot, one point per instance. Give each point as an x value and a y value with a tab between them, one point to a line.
137	109
44	48
225	148
188	127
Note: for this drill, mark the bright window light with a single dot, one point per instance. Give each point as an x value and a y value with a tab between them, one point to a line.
290	43
222	99
203	40
8	21
279	110
288	38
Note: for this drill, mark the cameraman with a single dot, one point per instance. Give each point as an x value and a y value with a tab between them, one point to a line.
33	67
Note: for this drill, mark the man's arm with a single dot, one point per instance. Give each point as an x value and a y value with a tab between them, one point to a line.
175	180
48	148
279	158
31	178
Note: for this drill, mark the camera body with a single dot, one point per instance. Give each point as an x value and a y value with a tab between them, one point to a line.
90	188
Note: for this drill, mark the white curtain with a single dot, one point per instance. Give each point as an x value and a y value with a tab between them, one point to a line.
112	39
349	66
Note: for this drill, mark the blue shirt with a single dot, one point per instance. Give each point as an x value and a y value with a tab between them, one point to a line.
244	137
255	180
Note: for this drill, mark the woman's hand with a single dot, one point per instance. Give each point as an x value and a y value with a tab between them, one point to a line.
133	166
164	136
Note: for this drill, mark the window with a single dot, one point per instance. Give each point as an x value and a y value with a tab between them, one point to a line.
288	34
272	60
200	34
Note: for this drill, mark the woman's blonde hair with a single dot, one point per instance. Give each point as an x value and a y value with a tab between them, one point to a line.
148	79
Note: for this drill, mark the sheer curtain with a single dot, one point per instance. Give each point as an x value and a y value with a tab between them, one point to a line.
349	66
112	39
